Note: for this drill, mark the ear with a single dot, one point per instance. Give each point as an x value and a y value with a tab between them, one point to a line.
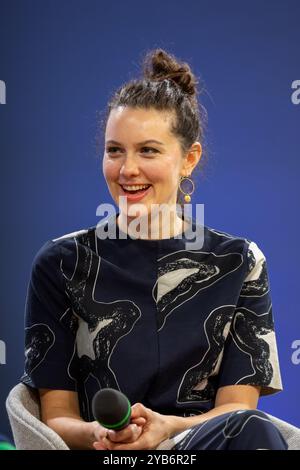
191	159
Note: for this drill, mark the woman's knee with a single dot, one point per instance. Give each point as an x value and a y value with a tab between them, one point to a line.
237	420
255	428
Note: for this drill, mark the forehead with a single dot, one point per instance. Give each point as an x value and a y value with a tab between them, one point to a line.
138	123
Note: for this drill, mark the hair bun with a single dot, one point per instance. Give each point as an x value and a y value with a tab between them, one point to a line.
159	65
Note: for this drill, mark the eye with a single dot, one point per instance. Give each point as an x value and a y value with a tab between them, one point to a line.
112	150
152	150
145	150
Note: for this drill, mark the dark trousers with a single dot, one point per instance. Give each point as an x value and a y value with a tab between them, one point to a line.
237	430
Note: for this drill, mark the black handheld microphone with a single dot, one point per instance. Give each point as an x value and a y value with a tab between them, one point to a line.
111	408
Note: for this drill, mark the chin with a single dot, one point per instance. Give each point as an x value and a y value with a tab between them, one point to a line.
136	211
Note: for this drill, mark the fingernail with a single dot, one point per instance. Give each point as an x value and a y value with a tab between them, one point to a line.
111	433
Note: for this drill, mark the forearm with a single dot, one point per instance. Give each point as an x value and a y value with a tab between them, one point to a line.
178	424
75	432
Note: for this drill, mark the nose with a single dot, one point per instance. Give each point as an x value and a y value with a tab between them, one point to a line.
129	167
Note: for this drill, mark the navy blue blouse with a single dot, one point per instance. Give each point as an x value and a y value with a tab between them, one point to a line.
164	324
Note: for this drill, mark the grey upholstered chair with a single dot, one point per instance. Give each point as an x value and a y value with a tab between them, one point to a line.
30	433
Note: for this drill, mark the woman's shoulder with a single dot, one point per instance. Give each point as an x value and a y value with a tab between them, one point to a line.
222	235
216	239
52	250
221	241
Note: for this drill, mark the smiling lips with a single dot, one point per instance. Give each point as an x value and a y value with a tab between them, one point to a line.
135	192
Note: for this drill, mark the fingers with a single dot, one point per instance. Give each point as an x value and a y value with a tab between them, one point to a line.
139	444
139	421
138	409
127	437
99	446
130	434
99	431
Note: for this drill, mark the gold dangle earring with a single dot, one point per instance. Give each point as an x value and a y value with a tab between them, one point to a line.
187	195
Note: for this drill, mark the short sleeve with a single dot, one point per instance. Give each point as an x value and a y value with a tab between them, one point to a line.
250	354
49	336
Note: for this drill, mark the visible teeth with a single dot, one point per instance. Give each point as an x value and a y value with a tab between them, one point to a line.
136	187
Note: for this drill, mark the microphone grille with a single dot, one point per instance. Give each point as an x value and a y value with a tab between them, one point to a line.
111	408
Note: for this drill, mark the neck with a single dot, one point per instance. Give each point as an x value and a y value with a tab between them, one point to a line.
153	226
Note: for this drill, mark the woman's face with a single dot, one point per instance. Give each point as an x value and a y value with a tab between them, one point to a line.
132	158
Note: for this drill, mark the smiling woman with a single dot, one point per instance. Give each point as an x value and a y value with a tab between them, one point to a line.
144	174
187	334
153	133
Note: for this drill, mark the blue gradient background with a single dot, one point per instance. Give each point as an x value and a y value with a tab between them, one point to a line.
61	60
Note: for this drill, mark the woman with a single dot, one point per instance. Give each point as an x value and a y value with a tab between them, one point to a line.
186	334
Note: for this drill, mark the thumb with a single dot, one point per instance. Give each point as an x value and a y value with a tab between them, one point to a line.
138	410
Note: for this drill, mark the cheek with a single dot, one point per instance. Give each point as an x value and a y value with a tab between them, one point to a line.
169	169
160	173
167	176
110	169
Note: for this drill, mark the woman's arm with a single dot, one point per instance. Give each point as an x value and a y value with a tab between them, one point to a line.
60	411
159	427
229	398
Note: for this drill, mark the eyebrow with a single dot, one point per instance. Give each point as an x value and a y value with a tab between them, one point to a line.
144	142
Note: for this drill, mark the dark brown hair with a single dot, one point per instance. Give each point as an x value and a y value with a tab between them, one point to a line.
168	85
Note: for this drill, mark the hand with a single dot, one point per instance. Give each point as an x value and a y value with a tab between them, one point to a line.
128	434
99	432
156	428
